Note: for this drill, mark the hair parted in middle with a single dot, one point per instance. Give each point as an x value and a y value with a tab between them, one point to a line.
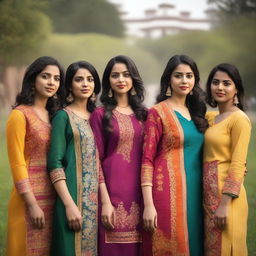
135	101
70	73
194	102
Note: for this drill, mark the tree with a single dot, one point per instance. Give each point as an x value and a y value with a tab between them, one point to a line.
79	16
23	27
234	8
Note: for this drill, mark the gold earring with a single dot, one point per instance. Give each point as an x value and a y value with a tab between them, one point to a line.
191	92
93	97
235	100
168	92
55	96
110	93
133	91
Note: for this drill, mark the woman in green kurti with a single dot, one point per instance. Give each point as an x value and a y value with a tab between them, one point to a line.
73	166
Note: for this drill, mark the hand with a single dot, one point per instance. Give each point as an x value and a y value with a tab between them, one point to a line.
221	216
150	218
36	215
108	216
74	217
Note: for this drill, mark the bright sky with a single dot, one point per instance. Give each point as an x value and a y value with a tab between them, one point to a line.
136	8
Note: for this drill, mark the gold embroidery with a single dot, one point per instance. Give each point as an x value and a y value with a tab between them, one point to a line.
232	184
126	135
146	174
23	186
57	174
125	221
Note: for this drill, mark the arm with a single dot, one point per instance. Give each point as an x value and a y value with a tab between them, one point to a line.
153	131
16	132
108	211
240	137
57	174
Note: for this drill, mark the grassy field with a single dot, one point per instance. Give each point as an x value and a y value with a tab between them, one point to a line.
5	187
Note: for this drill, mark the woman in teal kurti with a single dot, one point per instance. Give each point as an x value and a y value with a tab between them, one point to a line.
73	166
193	145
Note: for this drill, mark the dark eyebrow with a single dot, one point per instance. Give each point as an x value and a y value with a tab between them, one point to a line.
46	73
176	72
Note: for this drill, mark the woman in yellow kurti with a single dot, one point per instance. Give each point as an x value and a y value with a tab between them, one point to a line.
28	133
225	151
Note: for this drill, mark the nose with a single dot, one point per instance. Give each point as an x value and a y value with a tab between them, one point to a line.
121	77
220	86
51	80
184	79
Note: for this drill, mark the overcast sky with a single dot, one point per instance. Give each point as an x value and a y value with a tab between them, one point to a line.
136	8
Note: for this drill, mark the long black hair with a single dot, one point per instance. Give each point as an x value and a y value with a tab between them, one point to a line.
233	73
135	101
195	101
70	73
27	94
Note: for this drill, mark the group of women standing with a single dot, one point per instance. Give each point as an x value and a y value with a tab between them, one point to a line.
128	181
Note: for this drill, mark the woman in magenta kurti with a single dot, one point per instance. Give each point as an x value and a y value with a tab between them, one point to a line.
118	129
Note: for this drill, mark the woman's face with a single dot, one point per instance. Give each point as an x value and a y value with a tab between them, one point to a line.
182	80
120	79
47	82
223	88
82	84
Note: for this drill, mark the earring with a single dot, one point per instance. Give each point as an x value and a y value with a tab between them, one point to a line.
213	101
168	92
191	92
70	98
55	96
93	97
235	100
133	91
110	93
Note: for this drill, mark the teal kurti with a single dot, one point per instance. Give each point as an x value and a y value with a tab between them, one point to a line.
193	145
72	157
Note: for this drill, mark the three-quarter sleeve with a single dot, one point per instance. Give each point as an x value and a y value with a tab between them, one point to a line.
240	137
15	134
57	147
153	133
99	135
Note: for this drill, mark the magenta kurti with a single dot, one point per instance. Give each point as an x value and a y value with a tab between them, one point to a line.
120	152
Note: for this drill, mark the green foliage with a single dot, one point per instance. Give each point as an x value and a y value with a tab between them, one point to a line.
233	43
234	7
92	16
23	26
98	49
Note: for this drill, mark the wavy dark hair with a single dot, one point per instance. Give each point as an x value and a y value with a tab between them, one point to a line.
233	73
27	95
70	73
195	102
135	101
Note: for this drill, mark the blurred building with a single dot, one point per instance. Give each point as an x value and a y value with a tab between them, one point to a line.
161	21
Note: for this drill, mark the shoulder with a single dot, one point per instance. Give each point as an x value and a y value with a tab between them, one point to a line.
210	116
240	117
60	115
98	112
16	115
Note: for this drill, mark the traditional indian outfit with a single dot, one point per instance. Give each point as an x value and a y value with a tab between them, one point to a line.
27	143
225	153
73	158
171	164
120	153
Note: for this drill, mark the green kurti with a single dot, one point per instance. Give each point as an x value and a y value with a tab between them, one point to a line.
72	157
193	143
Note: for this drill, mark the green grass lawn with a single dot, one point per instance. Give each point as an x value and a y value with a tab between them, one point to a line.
250	183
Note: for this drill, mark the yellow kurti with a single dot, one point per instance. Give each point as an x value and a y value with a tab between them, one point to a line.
27	143
225	153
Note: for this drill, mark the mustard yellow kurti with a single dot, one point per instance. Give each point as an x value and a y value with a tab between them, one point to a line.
225	153
27	142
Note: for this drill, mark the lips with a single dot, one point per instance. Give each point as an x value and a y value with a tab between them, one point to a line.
220	94
183	88
50	89
121	86
85	90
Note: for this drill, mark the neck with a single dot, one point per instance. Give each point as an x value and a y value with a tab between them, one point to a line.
226	107
178	101
40	102
122	100
80	104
